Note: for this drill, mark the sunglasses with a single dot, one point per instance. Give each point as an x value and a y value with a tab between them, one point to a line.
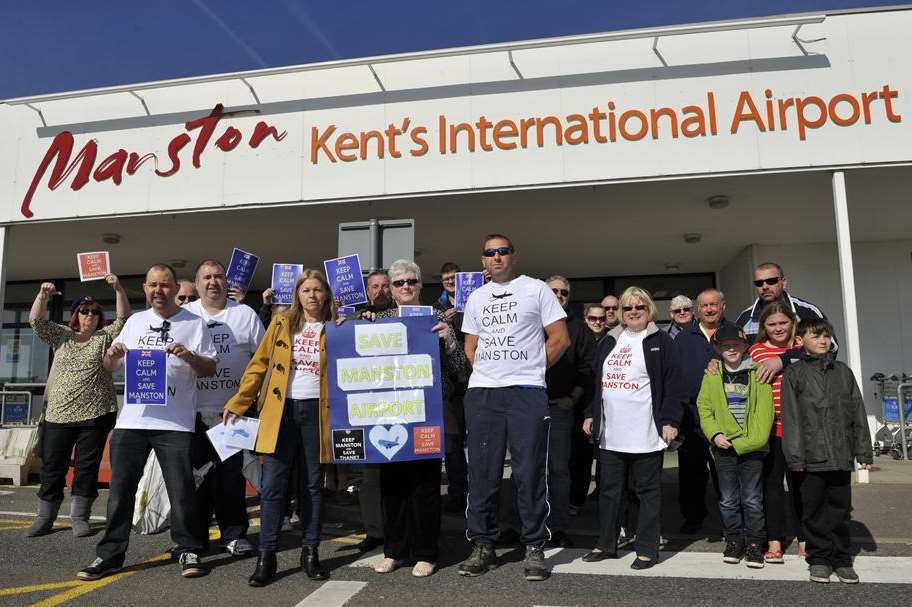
638	308
562	292
596	318
407	281
768	281
681	310
497	251
187	297
612	308
90	311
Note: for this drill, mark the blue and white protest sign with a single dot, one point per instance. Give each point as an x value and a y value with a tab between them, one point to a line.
466	282
345	280
241	269
345	311
146	377
385	401
415	311
284	277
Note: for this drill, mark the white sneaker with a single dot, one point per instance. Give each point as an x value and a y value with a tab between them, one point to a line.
239	547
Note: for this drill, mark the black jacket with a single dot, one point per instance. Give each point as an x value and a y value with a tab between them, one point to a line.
574	367
824	423
664	370
749	320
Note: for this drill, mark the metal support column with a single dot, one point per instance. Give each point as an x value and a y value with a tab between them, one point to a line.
4	238
850	344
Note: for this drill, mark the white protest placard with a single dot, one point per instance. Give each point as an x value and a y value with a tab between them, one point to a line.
242	433
93	266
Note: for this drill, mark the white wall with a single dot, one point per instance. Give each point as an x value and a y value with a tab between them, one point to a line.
883	282
734	282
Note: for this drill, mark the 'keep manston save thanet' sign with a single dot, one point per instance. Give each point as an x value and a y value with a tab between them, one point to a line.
853	112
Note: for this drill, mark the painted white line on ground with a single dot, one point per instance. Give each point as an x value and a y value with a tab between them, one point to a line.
332	594
7	492
32	514
709	565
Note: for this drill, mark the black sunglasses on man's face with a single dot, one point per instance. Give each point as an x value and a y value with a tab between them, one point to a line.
769	281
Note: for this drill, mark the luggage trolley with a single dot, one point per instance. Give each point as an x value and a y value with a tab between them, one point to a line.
895	436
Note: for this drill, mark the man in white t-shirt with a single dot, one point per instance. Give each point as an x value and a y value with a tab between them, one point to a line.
236	331
514	330
168	429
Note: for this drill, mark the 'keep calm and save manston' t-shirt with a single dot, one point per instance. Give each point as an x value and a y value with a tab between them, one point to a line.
144	330
508	319
627	422
304	382
236	332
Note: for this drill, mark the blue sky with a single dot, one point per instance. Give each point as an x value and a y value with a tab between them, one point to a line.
55	45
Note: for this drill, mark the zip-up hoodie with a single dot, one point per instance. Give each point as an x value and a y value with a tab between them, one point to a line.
665	382
716	417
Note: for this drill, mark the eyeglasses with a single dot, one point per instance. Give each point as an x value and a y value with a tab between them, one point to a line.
562	292
612	308
187	297
596	318
638	308
497	251
406	281
682	310
90	312
769	281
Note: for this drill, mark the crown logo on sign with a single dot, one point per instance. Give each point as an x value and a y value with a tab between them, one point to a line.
625	350
146	353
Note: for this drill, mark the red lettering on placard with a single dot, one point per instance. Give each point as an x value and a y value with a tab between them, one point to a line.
115	164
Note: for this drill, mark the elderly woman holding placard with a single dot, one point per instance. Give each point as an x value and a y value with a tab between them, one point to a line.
80	403
285	380
410	491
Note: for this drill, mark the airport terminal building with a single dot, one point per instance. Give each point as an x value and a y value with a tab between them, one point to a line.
674	159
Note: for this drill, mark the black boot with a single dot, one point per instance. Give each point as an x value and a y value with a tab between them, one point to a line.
310	563
265	569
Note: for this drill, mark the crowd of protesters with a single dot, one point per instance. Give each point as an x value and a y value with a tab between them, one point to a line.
746	405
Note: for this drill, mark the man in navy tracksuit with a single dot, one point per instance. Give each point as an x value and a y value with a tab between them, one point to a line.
514	330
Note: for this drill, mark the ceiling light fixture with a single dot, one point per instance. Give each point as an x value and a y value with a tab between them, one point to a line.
693	237
718	202
110	238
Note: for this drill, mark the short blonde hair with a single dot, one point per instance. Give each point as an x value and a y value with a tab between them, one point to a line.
636	293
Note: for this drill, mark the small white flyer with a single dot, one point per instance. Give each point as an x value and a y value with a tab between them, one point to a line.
242	433
217	434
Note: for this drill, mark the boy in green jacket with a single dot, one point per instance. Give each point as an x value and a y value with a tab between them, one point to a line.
736	415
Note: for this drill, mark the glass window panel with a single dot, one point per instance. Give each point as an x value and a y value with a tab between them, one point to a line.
23	357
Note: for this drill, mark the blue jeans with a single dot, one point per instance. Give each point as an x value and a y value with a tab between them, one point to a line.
299	437
129	451
741	489
559	442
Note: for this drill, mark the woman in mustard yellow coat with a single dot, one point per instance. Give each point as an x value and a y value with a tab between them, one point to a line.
284	379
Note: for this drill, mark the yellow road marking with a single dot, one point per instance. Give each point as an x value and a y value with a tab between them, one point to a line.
37	588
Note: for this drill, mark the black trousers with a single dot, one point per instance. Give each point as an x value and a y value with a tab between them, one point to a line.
57	444
695	467
582	452
410	492
496	418
129	451
369	499
223	491
776	502
645	470
827	499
